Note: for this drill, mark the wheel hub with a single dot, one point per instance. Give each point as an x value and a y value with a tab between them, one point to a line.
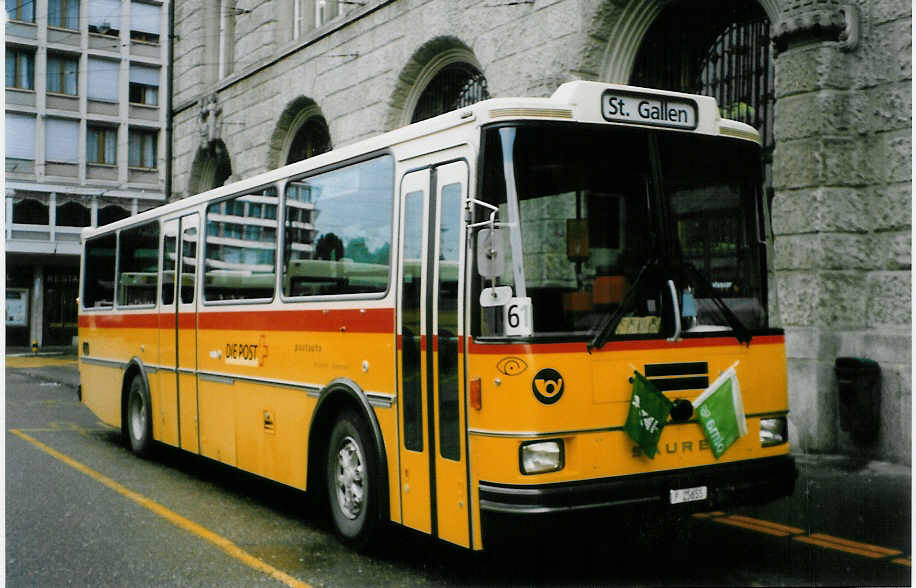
350	473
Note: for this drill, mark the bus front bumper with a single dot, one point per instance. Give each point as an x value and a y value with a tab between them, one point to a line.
728	484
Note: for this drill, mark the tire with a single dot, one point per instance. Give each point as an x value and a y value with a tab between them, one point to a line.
139	418
352	481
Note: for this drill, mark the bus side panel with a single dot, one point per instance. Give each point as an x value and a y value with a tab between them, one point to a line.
217	400
187	407
388	424
259	386
101	389
272	431
112	342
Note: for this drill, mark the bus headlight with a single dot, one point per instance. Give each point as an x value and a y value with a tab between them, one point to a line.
538	457
773	431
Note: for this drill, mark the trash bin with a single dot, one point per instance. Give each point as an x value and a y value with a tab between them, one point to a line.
859	396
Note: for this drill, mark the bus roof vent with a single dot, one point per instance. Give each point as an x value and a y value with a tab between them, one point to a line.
531	112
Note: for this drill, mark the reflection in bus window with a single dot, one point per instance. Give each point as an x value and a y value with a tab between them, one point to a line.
338	230
586	225
713	209
169	253
138	263
591	223
98	282
188	264
449	249
241	248
412	288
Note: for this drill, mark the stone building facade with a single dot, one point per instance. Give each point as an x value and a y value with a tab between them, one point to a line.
260	83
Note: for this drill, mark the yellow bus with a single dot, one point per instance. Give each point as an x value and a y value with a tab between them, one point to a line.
439	327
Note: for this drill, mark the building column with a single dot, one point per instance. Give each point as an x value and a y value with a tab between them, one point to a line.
9	215
841	279
36	306
52	216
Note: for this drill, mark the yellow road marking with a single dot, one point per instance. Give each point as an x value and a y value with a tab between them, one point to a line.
747	525
838	547
848	543
863	549
176	519
819	539
36	361
707	515
769	524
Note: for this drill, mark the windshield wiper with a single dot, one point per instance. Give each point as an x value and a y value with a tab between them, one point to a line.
738	328
611	320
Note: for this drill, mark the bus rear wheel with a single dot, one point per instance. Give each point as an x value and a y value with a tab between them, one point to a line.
139	418
351	481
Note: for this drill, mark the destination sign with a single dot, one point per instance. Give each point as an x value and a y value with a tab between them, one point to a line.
649	109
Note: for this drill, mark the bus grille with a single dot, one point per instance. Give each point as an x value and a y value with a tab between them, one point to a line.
678	376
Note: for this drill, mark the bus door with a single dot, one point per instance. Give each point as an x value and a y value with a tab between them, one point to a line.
433	447
178	334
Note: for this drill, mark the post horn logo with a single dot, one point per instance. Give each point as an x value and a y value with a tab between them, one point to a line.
547	385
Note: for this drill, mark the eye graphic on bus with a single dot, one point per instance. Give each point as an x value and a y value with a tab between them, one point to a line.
511	366
547	385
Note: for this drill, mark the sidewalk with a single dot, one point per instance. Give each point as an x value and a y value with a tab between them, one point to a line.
50	351
50	364
861	500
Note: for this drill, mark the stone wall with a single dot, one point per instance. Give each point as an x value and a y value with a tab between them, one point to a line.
841	213
353	68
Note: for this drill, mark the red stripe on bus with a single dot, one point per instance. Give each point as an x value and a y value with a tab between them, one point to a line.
349	320
360	321
115	321
186	320
612	346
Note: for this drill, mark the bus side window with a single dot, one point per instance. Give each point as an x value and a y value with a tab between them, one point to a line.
98	282
169	255
188	264
241	248
138	265
338	231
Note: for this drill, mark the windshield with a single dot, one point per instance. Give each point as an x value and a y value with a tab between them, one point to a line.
607	216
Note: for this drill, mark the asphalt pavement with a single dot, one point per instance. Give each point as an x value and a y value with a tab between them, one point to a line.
859	500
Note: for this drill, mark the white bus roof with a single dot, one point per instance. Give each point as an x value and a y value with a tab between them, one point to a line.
579	101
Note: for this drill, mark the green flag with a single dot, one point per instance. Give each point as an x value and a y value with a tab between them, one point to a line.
648	414
721	413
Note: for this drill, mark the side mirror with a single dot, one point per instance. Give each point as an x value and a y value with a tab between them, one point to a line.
491	253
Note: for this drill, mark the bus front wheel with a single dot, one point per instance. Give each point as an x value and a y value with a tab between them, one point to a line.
139	418
351	481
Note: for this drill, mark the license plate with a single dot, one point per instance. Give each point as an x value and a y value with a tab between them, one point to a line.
688	494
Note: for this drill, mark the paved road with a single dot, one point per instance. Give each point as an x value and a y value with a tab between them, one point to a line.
82	510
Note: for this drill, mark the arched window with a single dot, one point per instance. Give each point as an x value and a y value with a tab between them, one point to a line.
211	168
111	213
30	212
312	138
454	86
718	48
73	214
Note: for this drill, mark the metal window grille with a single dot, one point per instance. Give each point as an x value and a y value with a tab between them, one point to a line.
721	49
456	86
